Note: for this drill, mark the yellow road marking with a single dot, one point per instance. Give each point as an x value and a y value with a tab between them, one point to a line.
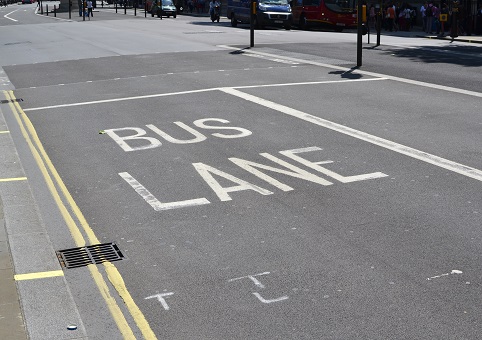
13	179
39	275
113	274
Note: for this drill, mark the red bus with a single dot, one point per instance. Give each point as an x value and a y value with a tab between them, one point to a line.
334	14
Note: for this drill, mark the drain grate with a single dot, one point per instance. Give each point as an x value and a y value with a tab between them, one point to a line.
83	256
6	101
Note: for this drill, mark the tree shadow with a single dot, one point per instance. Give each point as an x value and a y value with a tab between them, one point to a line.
467	56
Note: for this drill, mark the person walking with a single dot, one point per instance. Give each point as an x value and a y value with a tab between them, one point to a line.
89	9
390	17
429	14
372	15
424	17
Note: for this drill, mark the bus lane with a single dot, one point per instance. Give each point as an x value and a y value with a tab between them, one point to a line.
260	220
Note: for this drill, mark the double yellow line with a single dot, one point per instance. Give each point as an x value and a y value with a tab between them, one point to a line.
55	184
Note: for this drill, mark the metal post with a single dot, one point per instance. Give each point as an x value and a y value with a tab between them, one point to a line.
251	28
359	35
116	6
454	27
55	11
135	8
47	9
41	8
70	9
83	10
125	7
145	9
379	22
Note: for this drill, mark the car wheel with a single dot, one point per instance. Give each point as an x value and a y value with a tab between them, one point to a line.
234	22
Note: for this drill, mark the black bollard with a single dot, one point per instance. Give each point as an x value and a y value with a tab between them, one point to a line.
145	9
135	9
116	6
70	9
55	11
47	9
125	7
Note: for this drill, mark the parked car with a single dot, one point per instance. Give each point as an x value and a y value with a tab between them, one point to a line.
165	8
268	13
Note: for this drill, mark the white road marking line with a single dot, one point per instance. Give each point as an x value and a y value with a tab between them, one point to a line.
396	147
118	99
160	298
455	271
252	278
263	300
194	91
357	71
154	202
308	83
6	15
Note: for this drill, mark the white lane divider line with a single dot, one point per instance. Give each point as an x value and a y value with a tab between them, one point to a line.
358	71
195	91
455	271
384	143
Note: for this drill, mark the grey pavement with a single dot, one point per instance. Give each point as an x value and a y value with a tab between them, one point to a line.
12	326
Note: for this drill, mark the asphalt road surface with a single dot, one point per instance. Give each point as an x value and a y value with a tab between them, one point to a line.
274	192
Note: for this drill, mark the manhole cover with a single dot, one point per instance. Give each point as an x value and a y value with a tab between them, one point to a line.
6	101
83	256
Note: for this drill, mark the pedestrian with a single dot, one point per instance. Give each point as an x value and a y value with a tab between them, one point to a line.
89	9
396	10
390	16
429	14
401	18
372	16
424	16
444	10
436	18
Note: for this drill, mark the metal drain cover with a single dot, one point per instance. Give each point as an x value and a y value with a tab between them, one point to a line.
6	101
83	256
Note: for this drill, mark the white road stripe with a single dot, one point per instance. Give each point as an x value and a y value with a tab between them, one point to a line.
118	99
358	71
6	15
399	148
191	91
